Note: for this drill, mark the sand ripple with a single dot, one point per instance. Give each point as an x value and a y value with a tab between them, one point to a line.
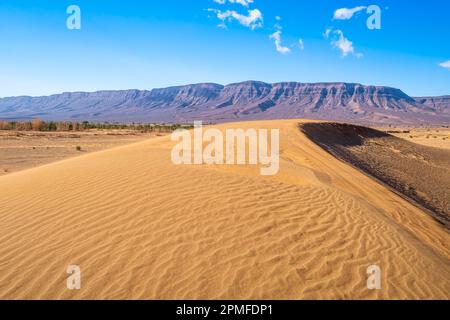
142	228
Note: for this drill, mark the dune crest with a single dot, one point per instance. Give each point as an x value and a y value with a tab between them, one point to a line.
141	227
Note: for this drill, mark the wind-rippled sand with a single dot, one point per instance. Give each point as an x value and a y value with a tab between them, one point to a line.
140	227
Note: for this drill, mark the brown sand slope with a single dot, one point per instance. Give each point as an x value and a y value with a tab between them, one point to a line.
421	173
140	227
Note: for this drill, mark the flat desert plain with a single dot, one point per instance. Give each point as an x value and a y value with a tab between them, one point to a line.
21	150
141	227
433	137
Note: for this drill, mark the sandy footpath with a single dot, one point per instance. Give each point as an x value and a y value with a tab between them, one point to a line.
142	228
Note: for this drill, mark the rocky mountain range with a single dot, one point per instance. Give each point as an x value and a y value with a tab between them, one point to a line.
251	100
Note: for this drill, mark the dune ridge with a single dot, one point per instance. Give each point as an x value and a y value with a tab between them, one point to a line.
398	163
142	228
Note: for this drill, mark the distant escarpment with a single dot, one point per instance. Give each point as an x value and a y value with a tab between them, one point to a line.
251	100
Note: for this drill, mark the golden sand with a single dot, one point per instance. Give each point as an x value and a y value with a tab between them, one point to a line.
140	227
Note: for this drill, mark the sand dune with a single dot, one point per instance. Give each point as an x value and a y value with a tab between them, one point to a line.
396	162
142	228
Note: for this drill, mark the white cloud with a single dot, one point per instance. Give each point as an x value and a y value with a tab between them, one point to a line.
276	36
445	64
245	3
339	41
301	43
343	44
346	14
253	20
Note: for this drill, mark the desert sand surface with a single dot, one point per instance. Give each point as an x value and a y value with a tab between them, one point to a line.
431	137
140	227
21	150
421	173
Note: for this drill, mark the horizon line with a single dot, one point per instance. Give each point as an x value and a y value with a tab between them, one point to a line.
223	86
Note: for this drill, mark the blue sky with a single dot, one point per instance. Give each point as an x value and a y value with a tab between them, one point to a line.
149	44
